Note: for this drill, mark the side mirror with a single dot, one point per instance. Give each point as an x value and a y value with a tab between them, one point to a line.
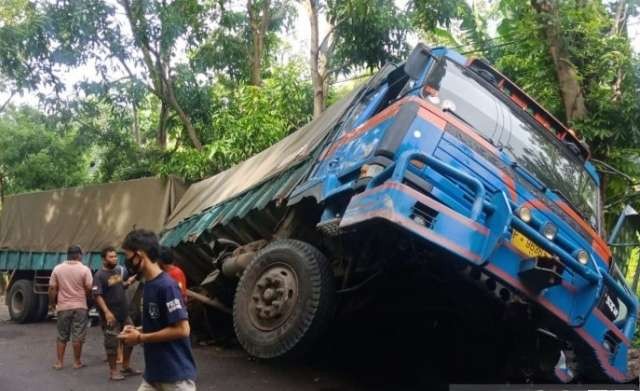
417	61
625	245
627	224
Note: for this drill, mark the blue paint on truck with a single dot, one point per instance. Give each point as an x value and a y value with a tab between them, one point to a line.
467	163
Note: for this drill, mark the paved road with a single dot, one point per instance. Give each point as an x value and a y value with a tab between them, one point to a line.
358	361
27	352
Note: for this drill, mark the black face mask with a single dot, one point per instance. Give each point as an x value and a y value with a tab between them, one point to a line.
131	267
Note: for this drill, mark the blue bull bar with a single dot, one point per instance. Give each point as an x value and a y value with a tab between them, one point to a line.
498	205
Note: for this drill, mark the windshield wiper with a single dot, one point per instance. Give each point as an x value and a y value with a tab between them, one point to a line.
458	116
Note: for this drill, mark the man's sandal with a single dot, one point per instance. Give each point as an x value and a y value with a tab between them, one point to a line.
116	377
130	372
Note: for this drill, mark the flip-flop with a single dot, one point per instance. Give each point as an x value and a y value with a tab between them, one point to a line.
116	377
130	372
57	367
79	366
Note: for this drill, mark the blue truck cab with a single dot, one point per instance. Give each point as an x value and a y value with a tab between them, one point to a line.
454	158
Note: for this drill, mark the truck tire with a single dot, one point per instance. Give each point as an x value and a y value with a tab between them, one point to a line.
42	308
22	301
284	301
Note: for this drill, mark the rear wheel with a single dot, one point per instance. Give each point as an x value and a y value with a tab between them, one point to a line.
22	301
284	300
42	308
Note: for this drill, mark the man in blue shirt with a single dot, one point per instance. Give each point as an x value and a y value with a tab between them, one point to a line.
169	363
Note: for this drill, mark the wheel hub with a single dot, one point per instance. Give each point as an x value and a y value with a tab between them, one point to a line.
273	297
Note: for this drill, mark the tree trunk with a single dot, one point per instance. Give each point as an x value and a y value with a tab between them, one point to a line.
158	65
162	126
6	102
136	125
619	28
319	54
620	18
258	23
314	56
184	118
570	88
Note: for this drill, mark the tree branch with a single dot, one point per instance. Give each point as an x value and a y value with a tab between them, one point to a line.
143	46
332	30
4	105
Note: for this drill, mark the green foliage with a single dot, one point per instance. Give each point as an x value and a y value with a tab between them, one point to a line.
115	121
244	121
35	156
606	69
36	38
430	15
527	62
227	49
367	33
458	23
120	158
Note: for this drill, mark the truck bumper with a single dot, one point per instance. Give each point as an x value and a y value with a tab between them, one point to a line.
486	243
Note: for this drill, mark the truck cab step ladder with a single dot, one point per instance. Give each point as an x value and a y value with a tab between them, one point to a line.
41	284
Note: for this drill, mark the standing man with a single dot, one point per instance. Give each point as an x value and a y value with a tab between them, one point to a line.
166	264
69	286
169	363
109	286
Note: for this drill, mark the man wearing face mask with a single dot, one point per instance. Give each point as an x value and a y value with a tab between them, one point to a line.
169	363
109	286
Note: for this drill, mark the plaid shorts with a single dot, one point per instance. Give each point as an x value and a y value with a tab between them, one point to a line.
72	323
111	335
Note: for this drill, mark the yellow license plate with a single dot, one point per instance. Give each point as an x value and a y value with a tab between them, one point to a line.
527	246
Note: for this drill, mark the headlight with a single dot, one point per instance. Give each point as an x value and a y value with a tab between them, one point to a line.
525	214
582	256
549	231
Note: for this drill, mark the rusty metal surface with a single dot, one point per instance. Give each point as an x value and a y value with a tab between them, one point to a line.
258	198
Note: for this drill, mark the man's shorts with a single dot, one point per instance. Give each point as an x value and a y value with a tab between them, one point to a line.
182	385
72	323
111	335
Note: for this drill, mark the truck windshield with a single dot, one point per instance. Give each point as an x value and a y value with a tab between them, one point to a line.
454	89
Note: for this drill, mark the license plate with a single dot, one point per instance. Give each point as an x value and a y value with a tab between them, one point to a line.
527	246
